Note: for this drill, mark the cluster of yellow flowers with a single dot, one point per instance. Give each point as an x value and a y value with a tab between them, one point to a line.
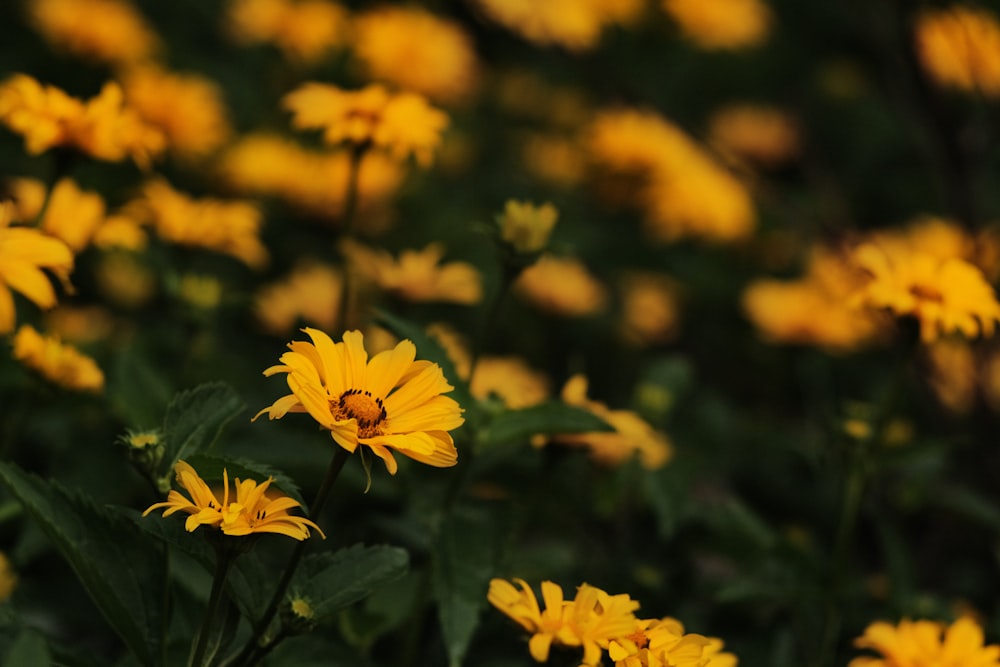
959	48
927	644
596	621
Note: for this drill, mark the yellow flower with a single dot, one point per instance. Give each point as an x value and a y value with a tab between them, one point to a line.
125	278
187	108
228	227
760	134
81	325
103	127
511	379
553	160
596	618
562	285
951	374
632	434
401	123
106	31
252	511
23	254
391	402
71	215
662	642
944	295
61	364
310	294
650	313
926	644
721	24
416	50
417	275
522	606
527	227
959	47
203	292
305	31
309	180
120	231
573	24
8	578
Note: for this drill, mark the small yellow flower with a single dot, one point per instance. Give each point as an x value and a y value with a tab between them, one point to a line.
511	379
650	310
573	24
23	254
402	123
762	135
310	294
721	24
58	363
71	215
547	627
251	511
390	402
106	31
305	30
416	275
959	47
926	644
525	226
562	285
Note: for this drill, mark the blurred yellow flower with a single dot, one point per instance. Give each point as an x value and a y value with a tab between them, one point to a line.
80	325
103	127
401	123
120	231
187	108
563	286
71	215
631	435
305	31
417	275
959	47
390	402
525	226
125	279
105	31
228	227
650	312
315	182
416	50
252	511
553	160
943	295
511	379
24	253
200	291
573	24
721	24
309	295
926	644
8	578
58	363
759	134
951	374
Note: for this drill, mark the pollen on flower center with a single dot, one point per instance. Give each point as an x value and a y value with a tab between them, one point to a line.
359	404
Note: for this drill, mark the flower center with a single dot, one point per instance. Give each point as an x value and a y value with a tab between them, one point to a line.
360	405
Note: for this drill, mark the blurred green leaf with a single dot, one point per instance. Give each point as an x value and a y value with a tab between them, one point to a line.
29	649
137	390
546	418
194	420
331	581
465	559
122	569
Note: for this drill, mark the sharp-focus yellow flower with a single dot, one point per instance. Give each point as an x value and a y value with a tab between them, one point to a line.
721	24
663	643
23	254
253	510
417	275
309	180
525	226
926	644
391	402
596	618
632	434
959	47
416	50
227	227
106	31
547	627
573	24
759	134
944	295
72	215
310	294
187	108
58	363
103	127
305	30
401	123
563	286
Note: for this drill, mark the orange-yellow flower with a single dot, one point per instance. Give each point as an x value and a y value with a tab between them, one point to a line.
310	294
547	627
401	123
650	310
562	285
926	644
721	24
58	363
573	24
106	31
959	47
71	215
391	402
525	226
253	510
305	31
24	253
760	134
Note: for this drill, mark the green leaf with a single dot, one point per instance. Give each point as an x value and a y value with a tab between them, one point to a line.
546	418
465	559
331	581
29	648
121	568
194	419
138	392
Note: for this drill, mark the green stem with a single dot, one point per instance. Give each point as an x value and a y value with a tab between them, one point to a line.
248	655
224	558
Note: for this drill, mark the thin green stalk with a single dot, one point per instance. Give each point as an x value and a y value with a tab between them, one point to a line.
225	559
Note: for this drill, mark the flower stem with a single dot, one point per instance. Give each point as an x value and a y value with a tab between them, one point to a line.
254	649
224	558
